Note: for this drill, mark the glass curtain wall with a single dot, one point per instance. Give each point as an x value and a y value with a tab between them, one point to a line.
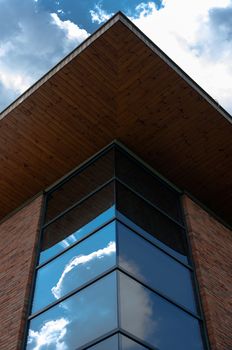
113	269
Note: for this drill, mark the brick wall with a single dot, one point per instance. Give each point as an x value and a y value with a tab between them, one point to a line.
212	252
18	239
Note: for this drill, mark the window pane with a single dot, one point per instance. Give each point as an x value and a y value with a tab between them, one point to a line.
80	185
149	186
107	344
77	222
155	268
78	320
152	221
156	321
128	344
75	267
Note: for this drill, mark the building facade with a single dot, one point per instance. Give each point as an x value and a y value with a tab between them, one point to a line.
113	255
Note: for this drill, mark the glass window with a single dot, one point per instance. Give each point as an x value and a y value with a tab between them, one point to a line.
134	223
107	344
155	268
156	321
148	185
80	185
152	221
128	344
76	266
77	222
81	318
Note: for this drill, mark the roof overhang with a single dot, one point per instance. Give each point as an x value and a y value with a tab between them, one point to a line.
116	85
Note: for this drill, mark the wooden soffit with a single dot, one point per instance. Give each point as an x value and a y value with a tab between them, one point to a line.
116	85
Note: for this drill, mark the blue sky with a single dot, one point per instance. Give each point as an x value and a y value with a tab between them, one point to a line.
36	34
81	11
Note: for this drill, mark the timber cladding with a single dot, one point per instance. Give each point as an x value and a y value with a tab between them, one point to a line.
211	244
19	238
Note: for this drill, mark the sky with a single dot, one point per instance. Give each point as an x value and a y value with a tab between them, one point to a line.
37	34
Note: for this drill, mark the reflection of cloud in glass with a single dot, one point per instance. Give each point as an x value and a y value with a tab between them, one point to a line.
137	310
80	260
128	344
50	334
69	240
79	319
131	266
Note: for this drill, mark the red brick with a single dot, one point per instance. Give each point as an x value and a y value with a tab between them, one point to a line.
211	244
19	238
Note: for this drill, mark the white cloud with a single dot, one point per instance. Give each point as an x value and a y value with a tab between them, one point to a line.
99	15
196	35
80	260
73	32
60	11
31	43
144	9
51	333
68	241
137	309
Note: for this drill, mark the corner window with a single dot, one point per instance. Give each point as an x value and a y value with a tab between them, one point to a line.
113	268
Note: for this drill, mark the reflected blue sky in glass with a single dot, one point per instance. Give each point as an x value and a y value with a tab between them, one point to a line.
156	321
150	237
155	268
75	267
107	344
78	320
128	344
92	225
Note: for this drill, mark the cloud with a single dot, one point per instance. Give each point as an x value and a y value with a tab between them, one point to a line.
68	241
81	260
99	15
31	42
197	35
144	9
137	310
51	333
72	31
